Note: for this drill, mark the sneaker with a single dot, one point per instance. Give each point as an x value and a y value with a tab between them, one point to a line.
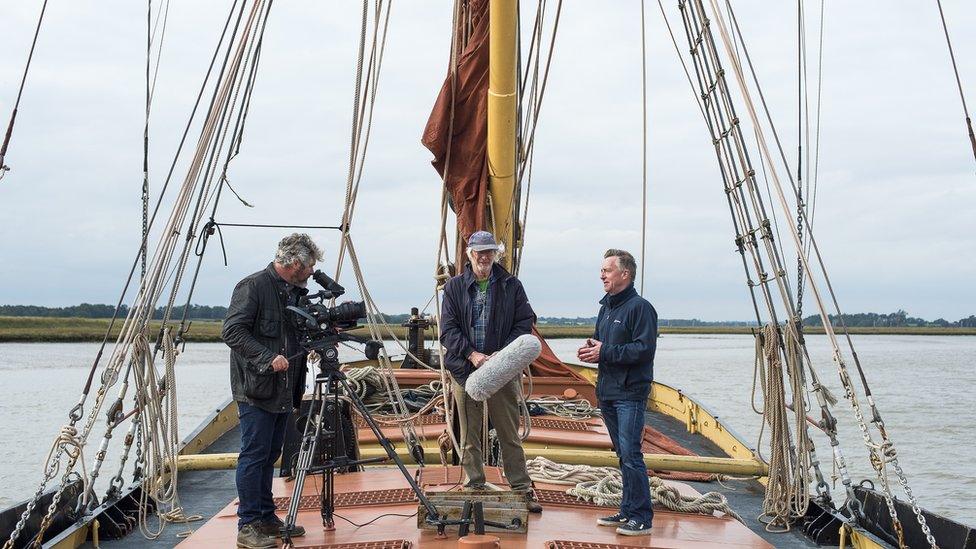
613	520
634	528
272	527
531	504
250	537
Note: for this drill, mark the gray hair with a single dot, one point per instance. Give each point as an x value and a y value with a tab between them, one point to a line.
498	253
625	261
297	247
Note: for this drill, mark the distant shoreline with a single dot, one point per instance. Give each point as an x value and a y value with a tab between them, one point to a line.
65	330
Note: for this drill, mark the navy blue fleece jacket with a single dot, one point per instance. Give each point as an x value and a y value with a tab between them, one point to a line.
627	329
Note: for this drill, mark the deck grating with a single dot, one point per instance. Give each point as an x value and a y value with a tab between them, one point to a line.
385	544
561	424
354	499
558	497
387	421
568	544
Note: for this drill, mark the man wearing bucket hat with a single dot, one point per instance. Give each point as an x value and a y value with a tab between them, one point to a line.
485	308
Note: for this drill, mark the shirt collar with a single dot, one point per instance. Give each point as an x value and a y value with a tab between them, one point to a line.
618	298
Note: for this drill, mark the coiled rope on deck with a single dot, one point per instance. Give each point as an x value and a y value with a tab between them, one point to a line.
604	486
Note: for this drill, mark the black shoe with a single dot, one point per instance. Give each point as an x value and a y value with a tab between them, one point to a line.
618	519
531	504
251	537
634	528
272	527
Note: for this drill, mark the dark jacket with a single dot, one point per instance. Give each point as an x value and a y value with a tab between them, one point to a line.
510	316
256	329
627	329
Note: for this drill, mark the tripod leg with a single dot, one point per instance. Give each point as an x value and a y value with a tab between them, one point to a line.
432	514
335	444
305	455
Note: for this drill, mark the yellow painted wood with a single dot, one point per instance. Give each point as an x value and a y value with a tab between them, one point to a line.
858	539
76	539
225	420
606	458
697	419
502	88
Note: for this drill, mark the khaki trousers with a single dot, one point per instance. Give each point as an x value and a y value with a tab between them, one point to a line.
503	411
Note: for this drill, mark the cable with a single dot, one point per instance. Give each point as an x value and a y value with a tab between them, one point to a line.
13	115
955	69
375	519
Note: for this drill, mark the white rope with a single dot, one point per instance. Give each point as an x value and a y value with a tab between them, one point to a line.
604	486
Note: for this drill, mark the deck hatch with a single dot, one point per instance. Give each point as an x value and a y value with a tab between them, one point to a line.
355	499
569	544
558	497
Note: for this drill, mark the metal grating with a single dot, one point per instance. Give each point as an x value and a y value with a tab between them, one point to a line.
561	424
385	544
558	497
386	421
569	544
357	499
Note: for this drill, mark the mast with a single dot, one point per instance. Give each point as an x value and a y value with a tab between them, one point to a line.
502	82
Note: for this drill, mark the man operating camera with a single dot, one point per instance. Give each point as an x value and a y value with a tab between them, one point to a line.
265	382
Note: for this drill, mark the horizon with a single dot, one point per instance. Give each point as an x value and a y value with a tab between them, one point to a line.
903	312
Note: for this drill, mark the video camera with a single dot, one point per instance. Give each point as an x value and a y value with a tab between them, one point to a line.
319	326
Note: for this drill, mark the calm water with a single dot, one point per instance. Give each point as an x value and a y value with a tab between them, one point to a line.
923	385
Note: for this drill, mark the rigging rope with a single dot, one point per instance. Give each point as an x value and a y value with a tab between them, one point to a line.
787	494
643	149
887	446
135	328
20	90
955	70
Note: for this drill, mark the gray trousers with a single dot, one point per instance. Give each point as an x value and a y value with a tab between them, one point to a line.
503	411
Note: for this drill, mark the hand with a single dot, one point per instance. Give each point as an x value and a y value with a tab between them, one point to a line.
279	364
590	352
477	359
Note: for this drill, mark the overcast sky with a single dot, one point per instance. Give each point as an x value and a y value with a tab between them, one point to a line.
896	188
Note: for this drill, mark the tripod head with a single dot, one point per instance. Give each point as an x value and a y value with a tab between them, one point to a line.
327	347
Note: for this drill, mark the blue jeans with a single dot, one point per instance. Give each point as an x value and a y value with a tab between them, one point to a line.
262	434
625	421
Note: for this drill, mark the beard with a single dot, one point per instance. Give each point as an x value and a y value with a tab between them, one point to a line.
481	271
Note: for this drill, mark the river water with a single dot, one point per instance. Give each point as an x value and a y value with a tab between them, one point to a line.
923	386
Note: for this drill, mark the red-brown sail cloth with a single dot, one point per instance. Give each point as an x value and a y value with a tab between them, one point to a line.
457	130
457	135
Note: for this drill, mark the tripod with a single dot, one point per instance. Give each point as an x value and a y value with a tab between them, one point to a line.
325	403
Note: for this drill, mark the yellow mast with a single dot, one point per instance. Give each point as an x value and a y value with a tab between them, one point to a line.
502	82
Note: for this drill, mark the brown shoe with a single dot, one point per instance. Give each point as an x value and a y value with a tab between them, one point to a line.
531	504
272	528
250	537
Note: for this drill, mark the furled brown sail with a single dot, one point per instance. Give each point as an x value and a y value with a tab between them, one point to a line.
457	130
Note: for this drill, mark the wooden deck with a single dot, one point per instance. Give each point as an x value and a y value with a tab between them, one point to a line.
558	522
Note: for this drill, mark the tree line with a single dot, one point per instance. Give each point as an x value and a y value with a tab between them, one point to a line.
98	310
897	319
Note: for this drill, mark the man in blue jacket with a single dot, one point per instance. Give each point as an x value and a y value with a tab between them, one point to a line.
485	309
623	348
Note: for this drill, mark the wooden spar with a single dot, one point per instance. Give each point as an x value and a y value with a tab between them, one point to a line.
502	82
599	458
